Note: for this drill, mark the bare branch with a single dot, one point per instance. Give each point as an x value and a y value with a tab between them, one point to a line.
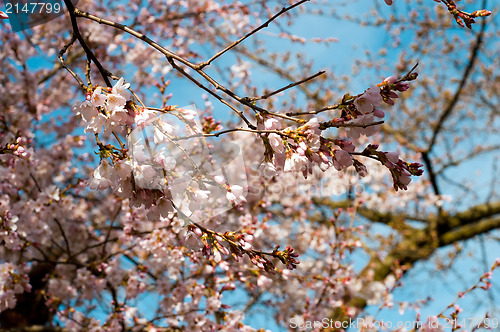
72	14
218	54
451	106
291	85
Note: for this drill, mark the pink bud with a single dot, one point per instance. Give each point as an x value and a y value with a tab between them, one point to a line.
391	79
378	113
392	157
392	94
403	86
389	101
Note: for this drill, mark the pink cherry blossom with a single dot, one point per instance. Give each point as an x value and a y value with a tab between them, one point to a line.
120	88
392	157
235	194
102	176
295	163
276	142
161	131
271	124
267	170
98	98
342	159
87	110
143	117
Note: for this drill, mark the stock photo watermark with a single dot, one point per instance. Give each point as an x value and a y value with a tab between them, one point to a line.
26	14
204	179
170	153
368	323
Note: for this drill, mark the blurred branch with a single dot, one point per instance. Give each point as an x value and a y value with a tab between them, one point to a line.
469	231
477	151
473	215
418	244
430	171
71	58
36	328
451	106
88	51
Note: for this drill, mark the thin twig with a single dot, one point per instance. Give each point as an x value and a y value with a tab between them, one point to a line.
108	233
451	106
222	100
36	182
218	54
63	64
172	56
291	85
217	134
72	14
326	108
134	33
66	242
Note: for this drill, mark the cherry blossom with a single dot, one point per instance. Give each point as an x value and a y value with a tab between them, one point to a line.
102	176
235	194
342	159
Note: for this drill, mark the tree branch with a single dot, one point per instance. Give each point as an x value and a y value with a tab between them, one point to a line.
451	106
218	54
88	51
473	215
469	231
291	85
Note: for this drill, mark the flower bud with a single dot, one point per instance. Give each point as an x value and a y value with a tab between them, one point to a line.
412	76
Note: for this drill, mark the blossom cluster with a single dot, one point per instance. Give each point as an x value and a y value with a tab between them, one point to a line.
299	149
14	281
462	18
16	149
401	171
237	245
106	108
